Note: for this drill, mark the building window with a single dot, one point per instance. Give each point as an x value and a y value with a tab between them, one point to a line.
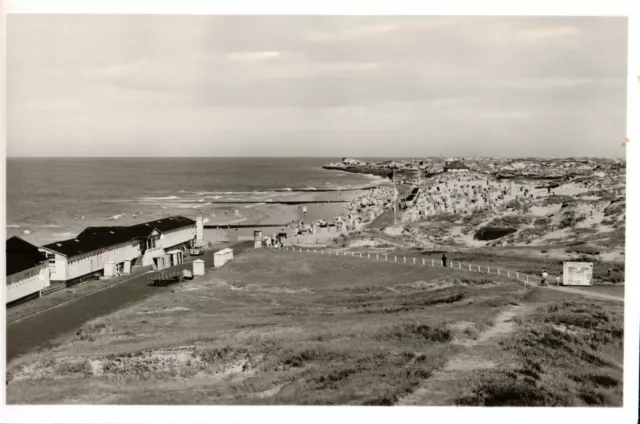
52	259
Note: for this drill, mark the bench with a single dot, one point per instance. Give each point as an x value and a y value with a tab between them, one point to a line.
166	278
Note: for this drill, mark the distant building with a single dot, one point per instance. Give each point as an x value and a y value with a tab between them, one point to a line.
96	247
456	166
349	161
27	270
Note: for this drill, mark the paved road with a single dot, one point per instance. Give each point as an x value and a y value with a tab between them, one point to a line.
588	293
39	330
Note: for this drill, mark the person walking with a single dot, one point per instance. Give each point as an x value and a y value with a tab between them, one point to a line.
543	282
444	260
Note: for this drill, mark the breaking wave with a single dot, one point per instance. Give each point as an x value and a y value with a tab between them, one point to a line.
161	198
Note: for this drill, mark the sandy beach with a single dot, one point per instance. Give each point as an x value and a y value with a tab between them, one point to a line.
270	214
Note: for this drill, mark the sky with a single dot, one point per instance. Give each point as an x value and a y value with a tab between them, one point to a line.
144	85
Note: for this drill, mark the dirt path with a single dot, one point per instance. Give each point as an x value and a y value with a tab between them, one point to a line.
587	293
436	390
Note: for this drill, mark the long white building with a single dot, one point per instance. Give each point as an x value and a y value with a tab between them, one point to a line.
95	247
27	271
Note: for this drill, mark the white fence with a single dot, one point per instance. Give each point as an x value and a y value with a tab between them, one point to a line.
527	279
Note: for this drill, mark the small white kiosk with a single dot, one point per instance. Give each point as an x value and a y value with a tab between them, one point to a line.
110	269
577	274
198	267
221	257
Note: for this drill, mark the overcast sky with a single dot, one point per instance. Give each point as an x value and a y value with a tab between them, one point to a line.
315	86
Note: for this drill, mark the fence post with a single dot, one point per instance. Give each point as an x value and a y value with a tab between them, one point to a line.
360	254
508	274
385	257
414	261
488	270
498	271
518	276
405	259
368	255
422	261
469	267
395	259
459	265
376	256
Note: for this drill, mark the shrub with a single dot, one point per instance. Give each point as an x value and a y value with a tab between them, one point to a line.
440	334
492	233
541	221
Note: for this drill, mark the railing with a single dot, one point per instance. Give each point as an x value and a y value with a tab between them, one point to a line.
522	277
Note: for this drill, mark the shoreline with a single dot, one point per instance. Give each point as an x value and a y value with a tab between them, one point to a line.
272	207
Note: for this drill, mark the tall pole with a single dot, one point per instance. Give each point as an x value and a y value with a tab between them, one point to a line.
395	200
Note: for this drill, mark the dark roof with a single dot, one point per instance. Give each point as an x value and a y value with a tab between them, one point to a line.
94	238
166	224
455	165
22	255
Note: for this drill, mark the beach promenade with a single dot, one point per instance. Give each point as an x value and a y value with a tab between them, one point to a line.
37	331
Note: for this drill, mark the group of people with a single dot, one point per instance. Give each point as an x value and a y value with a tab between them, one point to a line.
273	242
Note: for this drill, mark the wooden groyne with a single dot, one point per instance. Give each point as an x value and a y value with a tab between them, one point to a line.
274	202
237	226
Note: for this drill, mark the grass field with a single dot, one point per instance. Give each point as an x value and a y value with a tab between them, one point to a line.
277	327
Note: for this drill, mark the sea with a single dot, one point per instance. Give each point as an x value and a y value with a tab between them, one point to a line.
51	199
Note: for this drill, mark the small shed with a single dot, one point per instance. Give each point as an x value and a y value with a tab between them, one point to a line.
198	267
221	257
110	269
577	274
177	257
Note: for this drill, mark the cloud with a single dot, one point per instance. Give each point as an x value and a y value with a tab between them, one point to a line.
228	85
353	32
253	56
549	34
509	115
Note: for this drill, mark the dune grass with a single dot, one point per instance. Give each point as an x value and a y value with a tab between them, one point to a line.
565	354
278	327
271	327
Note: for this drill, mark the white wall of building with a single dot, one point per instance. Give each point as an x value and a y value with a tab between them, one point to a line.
59	269
27	282
95	261
77	266
177	236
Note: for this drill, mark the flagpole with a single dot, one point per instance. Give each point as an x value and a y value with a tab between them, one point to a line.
395	199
